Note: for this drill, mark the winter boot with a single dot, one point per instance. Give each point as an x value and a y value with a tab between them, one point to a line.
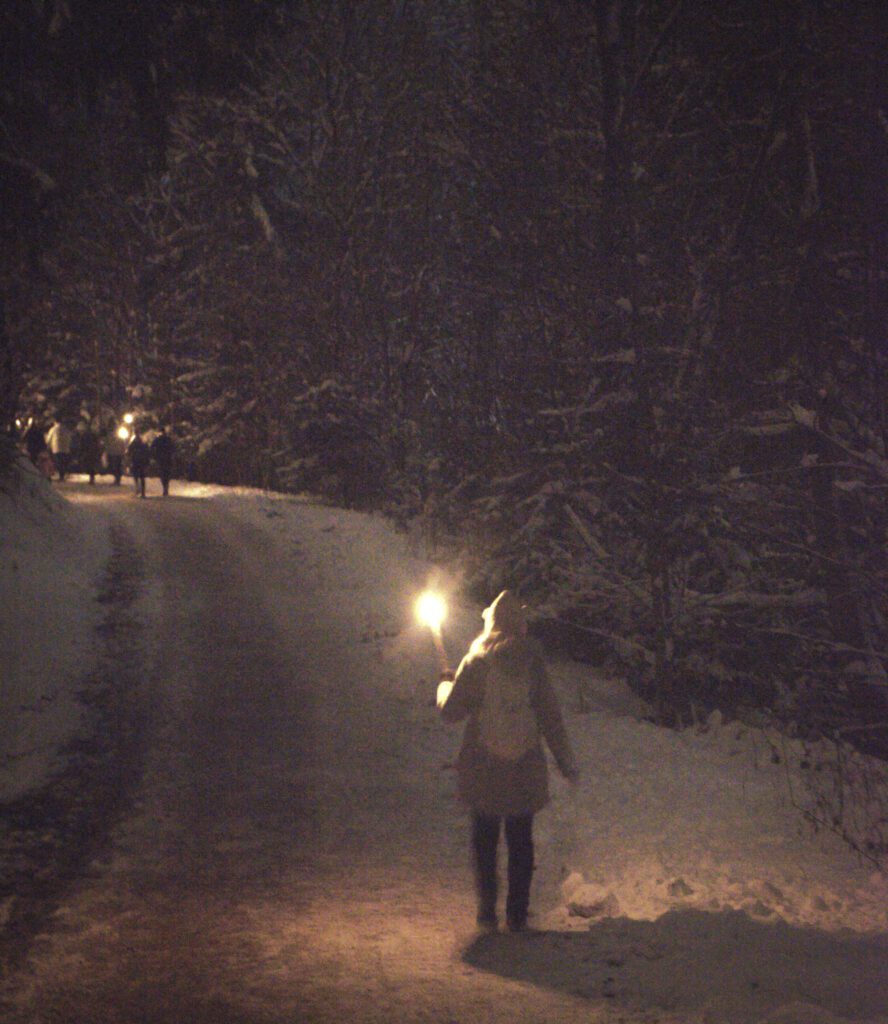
487	919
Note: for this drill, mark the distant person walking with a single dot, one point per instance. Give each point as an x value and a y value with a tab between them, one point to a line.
139	456
35	442
115	449
90	453
60	441
502	688
162	450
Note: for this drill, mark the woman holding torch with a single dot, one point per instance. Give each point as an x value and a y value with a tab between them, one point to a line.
502	689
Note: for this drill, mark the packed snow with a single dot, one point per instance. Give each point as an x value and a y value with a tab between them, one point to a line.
678	881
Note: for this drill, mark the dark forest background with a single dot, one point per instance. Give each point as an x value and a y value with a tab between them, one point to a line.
590	295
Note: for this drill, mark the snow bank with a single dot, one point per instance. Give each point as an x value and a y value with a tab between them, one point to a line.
51	556
704	821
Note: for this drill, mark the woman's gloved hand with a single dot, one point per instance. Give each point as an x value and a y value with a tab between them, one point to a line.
445	685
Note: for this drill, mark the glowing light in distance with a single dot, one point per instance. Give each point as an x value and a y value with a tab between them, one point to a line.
123	433
431	610
128	417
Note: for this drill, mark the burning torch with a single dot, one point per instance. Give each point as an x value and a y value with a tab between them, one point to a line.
431	610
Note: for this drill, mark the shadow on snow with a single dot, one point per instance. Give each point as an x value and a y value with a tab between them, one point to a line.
691	960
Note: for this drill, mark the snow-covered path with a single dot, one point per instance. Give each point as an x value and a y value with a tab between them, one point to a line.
292	854
295	852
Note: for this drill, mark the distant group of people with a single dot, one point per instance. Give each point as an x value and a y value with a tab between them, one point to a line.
161	449
61	448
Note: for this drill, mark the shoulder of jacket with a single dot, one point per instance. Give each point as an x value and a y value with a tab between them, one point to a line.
523	648
476	661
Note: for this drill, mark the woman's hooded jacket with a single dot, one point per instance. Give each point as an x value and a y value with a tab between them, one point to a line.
502	688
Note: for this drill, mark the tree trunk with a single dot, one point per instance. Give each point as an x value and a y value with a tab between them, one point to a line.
10	377
613	23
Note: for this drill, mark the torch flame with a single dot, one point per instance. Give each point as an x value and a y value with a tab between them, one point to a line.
431	610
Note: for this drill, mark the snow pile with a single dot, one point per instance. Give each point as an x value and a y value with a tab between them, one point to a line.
706	820
51	556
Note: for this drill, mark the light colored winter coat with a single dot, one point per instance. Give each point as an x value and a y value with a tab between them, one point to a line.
59	439
512	779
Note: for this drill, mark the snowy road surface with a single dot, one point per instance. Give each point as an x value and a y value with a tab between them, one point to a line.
294	851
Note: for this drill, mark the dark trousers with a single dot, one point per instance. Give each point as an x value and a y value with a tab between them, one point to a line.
519	842
62	460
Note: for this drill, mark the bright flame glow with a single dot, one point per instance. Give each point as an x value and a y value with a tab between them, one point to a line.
431	610
128	417
123	433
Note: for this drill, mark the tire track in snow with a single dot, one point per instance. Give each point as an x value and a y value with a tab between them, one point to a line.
51	836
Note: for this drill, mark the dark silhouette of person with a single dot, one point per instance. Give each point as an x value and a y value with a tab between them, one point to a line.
35	441
115	449
139	456
90	453
162	450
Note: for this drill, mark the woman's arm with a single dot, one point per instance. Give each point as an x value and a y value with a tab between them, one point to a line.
457	699
552	725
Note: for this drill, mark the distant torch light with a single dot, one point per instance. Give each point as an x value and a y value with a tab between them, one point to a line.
128	417
123	433
431	610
